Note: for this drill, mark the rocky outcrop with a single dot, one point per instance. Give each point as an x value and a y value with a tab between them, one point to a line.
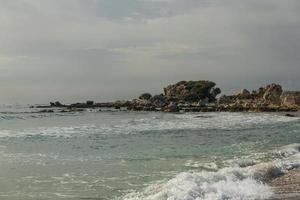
266	99
192	91
199	96
290	98
272	94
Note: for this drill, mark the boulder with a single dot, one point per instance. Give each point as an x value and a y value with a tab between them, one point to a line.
224	99
192	91
90	103
159	101
215	92
243	94
172	107
56	104
145	96
290	98
272	94
290	115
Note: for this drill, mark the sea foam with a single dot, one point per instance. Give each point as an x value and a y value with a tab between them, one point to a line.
236	183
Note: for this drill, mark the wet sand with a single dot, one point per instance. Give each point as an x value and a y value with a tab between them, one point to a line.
287	186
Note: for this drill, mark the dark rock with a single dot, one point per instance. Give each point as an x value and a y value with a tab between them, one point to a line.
46	111
159	101
224	99
90	103
145	96
290	115
58	104
215	92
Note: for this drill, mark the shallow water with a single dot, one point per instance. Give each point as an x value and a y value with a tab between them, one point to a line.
143	155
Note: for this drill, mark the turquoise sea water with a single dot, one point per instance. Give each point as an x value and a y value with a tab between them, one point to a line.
142	155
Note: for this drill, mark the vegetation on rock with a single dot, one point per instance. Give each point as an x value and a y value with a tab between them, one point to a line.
193	91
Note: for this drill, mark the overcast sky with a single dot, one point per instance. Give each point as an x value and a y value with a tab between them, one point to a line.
74	50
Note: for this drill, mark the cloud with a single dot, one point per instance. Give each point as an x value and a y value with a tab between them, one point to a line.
135	45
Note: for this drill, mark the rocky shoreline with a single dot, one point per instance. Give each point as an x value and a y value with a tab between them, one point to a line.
197	96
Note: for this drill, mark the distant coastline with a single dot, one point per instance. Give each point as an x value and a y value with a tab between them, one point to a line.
197	96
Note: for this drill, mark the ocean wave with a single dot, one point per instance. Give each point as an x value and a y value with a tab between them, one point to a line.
237	183
154	122
159	122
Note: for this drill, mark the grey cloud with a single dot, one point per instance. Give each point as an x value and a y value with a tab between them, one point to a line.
76	49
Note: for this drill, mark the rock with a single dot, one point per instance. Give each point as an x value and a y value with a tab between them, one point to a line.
145	96
172	107
290	98
243	94
90	103
224	99
290	115
203	102
58	104
122	103
159	101
215	92
272	94
192	91
46	111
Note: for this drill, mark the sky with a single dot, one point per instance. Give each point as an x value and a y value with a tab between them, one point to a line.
75	50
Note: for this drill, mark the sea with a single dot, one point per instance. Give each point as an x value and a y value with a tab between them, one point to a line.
126	155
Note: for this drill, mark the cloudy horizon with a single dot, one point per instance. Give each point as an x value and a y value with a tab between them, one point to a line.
74	50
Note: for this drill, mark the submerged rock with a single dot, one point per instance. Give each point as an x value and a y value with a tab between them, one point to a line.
290	115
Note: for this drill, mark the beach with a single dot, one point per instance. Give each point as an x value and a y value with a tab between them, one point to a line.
128	155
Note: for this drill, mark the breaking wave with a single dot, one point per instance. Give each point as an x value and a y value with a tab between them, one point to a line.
158	122
238	183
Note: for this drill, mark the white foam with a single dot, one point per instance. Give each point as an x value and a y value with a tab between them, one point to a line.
228	183
237	183
159	122
289	150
